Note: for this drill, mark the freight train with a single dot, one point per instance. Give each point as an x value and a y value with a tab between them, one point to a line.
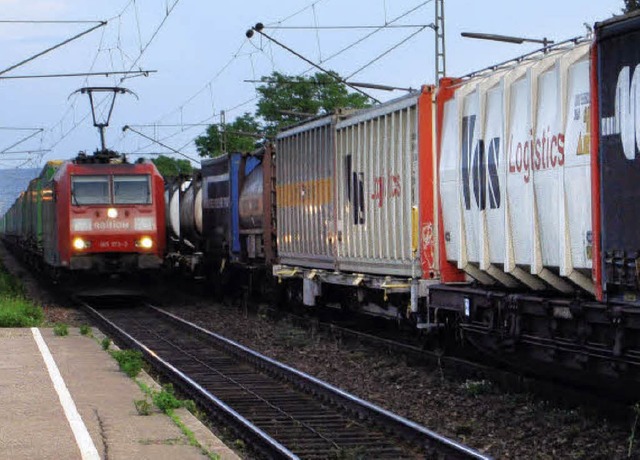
501	207
94	214
221	221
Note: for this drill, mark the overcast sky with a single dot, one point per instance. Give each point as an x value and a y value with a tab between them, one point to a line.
203	57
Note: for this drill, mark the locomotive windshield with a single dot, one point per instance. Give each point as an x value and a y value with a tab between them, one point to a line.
90	190
131	190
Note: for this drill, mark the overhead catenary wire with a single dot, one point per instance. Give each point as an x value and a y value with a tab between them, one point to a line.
31	21
352	27
79	74
48	50
128	128
21	141
380	56
155	33
266	48
308	61
375	31
109	50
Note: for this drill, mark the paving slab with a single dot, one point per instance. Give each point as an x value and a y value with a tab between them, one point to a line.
34	424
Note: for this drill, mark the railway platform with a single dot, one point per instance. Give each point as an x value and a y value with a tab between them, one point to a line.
64	397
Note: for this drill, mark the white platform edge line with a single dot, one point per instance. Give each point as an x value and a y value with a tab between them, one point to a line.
83	438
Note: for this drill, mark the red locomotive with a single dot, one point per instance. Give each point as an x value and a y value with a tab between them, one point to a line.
95	214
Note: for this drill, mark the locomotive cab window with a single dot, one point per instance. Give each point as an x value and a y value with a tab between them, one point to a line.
90	190
131	189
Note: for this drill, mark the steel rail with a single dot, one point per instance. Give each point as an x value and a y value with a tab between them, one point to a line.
400	425
265	443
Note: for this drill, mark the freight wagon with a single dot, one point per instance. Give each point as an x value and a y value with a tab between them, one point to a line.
221	220
540	187
356	207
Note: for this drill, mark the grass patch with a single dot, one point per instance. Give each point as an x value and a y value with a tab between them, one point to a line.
19	312
9	286
61	329
143	407
85	329
105	343
167	402
130	361
15	309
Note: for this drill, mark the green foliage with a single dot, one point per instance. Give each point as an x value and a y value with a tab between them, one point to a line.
166	400
313	95
283	100
105	343
630	5
15	309
172	167
85	329
241	136
143	407
19	312
130	361
9	286
61	329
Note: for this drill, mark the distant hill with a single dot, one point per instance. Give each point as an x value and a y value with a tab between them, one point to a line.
12	182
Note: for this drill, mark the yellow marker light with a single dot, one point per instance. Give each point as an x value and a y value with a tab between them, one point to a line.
146	242
112	213
79	244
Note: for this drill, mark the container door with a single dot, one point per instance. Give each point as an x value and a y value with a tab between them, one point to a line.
619	111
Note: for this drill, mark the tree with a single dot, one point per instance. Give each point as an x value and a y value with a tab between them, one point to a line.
282	97
241	136
172	167
631	5
283	100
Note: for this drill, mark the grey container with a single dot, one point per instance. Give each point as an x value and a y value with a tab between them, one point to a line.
376	189
305	194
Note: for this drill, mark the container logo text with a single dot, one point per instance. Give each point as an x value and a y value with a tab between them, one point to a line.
475	164
536	154
624	121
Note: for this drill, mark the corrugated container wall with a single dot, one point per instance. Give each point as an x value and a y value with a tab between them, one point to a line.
515	175
376	189
304	194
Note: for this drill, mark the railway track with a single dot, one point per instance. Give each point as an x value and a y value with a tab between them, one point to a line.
615	405
281	412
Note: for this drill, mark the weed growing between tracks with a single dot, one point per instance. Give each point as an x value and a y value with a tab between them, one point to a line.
130	361
85	329
166	401
61	329
15	309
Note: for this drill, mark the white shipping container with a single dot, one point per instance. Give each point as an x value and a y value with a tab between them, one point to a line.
515	177
376	189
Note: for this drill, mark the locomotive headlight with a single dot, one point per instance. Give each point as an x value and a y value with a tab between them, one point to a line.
112	213
145	242
79	244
